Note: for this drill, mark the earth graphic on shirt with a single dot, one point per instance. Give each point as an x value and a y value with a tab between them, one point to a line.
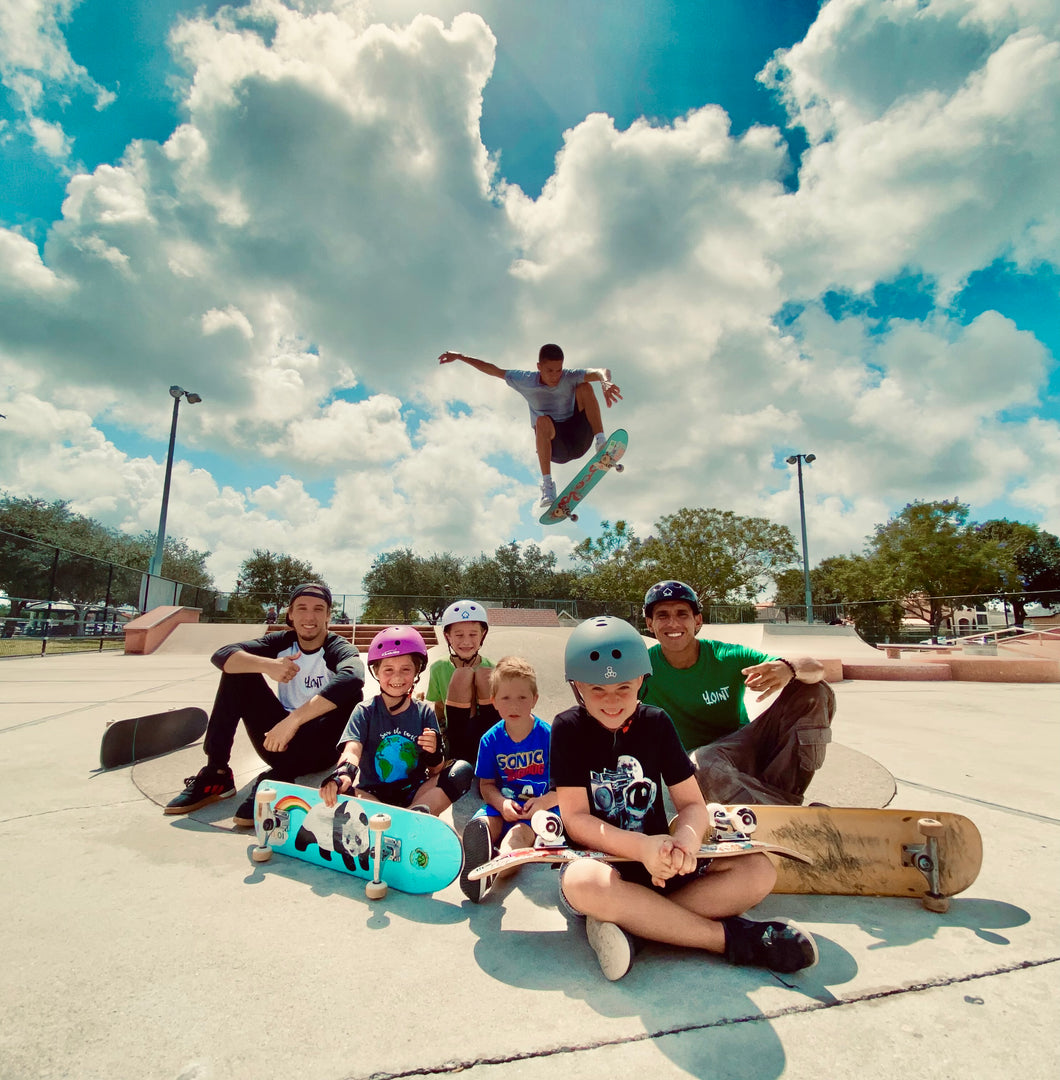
395	757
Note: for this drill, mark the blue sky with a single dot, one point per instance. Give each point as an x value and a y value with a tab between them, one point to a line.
784	228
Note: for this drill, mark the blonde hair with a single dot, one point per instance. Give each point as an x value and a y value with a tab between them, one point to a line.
513	667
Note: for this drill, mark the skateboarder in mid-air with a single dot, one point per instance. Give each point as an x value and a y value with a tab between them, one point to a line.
564	412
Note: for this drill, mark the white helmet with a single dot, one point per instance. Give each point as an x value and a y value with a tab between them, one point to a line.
464	611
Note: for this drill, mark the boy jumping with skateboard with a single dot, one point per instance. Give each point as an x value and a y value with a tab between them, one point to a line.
564	412
610	756
392	748
512	768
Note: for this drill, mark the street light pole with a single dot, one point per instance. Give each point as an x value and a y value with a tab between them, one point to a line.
176	393
798	459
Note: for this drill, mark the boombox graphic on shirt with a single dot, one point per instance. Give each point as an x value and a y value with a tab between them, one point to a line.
622	795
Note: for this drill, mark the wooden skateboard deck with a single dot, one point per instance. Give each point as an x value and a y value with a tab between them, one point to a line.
139	737
419	852
560	855
589	476
868	852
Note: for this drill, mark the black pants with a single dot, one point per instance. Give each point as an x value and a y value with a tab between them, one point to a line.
249	698
463	729
772	759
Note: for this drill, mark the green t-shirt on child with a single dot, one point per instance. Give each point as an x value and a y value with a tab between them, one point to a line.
440	674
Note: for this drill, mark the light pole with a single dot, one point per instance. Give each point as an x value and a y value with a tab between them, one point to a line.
798	459
176	393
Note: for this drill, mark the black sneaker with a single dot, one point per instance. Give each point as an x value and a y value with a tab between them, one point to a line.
478	849
209	785
612	945
777	944
244	816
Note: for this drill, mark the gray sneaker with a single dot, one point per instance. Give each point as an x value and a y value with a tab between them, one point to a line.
612	945
548	492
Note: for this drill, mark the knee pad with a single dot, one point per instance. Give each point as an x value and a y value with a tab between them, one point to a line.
456	780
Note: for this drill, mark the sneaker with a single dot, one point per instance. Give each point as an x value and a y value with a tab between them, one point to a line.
478	849
548	491
612	945
600	443
244	816
777	944
209	785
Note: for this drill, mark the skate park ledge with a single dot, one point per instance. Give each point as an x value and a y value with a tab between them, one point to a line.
843	653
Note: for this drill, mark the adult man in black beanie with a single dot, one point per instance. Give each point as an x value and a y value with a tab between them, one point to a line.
319	678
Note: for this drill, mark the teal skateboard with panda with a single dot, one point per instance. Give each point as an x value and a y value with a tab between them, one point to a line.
386	845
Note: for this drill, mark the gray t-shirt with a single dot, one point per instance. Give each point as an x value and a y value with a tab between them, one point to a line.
554	401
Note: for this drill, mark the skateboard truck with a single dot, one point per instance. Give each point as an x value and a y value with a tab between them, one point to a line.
925	857
377	825
268	823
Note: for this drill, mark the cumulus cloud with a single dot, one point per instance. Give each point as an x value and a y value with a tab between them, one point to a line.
326	220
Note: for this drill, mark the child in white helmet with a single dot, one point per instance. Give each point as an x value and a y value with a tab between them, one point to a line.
460	686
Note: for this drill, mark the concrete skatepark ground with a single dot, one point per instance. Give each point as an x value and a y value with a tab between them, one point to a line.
137	945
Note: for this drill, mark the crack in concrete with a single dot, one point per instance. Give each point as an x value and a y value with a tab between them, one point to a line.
443	1068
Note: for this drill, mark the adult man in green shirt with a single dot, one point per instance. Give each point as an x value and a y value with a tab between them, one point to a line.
701	684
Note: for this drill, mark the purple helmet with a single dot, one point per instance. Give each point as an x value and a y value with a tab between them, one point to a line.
398	641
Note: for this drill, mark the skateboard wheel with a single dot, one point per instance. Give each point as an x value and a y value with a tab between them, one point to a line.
261	854
376	890
940	904
619	468
930	827
379	822
574	517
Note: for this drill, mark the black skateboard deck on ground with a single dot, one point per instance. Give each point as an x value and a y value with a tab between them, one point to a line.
126	741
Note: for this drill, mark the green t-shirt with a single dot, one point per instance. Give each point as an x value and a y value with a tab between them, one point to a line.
440	674
705	701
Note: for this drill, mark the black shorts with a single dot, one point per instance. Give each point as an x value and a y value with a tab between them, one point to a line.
397	794
637	873
573	437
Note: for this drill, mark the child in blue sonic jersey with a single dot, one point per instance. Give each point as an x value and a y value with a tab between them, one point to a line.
512	769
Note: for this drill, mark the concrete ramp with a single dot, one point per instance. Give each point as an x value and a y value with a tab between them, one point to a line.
822	642
203	639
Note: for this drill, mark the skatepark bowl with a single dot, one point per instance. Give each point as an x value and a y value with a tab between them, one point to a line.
141	945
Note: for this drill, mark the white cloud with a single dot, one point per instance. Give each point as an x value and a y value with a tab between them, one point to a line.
326	220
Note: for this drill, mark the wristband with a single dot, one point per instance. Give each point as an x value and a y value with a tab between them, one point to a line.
789	665
345	769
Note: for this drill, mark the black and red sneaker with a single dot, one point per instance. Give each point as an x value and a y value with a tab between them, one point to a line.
209	785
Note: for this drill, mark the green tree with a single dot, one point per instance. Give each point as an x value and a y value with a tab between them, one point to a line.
1035	556
267	579
929	551
610	569
516	572
724	557
405	587
82	572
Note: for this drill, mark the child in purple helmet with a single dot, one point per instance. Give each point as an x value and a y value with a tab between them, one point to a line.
391	750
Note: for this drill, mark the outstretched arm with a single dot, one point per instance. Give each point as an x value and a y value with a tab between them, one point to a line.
610	389
479	365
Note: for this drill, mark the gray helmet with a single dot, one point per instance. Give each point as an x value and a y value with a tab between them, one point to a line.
670	590
605	650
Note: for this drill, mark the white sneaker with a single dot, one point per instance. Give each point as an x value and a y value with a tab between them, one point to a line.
548	491
612	945
601	442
